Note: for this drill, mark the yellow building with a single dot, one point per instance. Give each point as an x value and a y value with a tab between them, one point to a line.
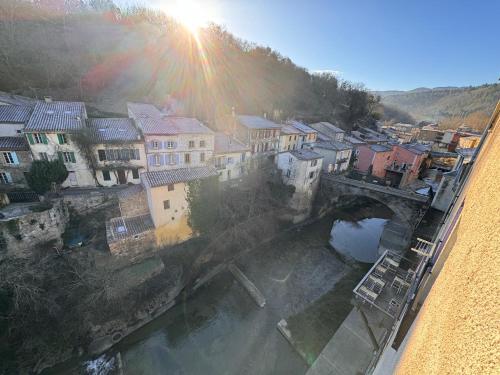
290	138
167	201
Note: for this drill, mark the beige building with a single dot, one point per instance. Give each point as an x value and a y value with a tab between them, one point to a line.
259	134
49	133
118	151
290	138
172	142
167	200
230	157
308	134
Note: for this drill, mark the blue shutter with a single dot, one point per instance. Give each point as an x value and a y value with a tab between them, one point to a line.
175	144
14	157
8	177
151	160
160	145
176	158
162	159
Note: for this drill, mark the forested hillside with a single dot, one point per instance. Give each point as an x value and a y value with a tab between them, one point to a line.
95	52
453	105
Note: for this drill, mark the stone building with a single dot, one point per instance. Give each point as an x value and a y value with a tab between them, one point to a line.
118	151
172	142
301	169
230	157
50	131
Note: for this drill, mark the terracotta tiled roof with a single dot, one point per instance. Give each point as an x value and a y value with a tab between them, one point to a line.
173	176
17	114
57	117
13	144
113	130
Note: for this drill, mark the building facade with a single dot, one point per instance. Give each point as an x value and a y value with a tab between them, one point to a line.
259	134
50	132
329	131
118	151
336	155
290	138
405	164
230	157
372	159
308	134
15	162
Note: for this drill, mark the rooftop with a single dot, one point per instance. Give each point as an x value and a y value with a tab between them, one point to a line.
57	117
332	145
113	130
305	154
288	129
8	98
353	140
17	114
13	144
174	176
380	148
416	148
257	122
301	126
119	228
326	128
226	144
152	121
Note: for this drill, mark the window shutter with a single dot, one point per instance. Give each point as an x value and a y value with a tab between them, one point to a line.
8	177
160	145
14	158
102	155
174	144
162	159
60	156
44	138
60	138
176	158
72	157
151	160
30	138
137	155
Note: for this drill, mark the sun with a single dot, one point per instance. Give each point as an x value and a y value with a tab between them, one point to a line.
192	14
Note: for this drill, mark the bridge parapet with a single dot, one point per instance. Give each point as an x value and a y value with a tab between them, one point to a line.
381	189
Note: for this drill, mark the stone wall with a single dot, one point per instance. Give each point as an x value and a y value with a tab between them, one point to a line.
21	235
135	204
87	200
133	247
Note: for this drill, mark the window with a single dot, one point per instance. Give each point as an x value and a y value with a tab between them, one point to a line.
170	144
170	158
62	138
101	154
43	156
155	145
67	157
290	138
187	158
5	178
106	176
10	158
311	175
314	163
39	138
202	143
288	172
229	174
170	187
243	157
157	159
166	204
202	157
230	160
191	144
290	160
135	174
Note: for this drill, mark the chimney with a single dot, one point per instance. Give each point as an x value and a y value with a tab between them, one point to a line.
48	99
233	112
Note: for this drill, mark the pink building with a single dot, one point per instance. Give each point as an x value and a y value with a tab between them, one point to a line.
372	159
405	163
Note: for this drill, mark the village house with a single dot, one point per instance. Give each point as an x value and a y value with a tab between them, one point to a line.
370	136
301	169
405	163
337	155
290	138
166	193
328	131
49	132
118	151
172	142
469	140
230	157
308	134
372	159
259	134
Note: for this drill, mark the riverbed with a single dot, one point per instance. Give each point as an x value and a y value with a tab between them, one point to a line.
221	330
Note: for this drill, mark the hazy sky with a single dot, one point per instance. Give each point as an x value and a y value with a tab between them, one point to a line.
386	44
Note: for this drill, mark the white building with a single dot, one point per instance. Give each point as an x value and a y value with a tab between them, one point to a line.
290	138
337	155
301	169
118	151
172	142
328	131
230	157
49	132
308	134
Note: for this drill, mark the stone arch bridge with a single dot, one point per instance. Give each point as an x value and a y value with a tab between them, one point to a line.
406	205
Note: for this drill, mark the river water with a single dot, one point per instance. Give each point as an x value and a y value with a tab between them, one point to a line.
221	330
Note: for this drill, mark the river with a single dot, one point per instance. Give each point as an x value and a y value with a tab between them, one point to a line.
220	329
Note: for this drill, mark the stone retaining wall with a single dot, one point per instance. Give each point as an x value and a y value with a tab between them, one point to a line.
134	204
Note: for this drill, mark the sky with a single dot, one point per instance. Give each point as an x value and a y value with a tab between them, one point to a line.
384	44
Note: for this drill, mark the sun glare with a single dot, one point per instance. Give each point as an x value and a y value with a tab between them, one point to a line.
192	14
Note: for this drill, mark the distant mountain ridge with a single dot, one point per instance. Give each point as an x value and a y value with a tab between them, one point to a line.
443	102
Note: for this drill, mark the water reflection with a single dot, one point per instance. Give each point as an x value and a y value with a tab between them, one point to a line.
358	239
